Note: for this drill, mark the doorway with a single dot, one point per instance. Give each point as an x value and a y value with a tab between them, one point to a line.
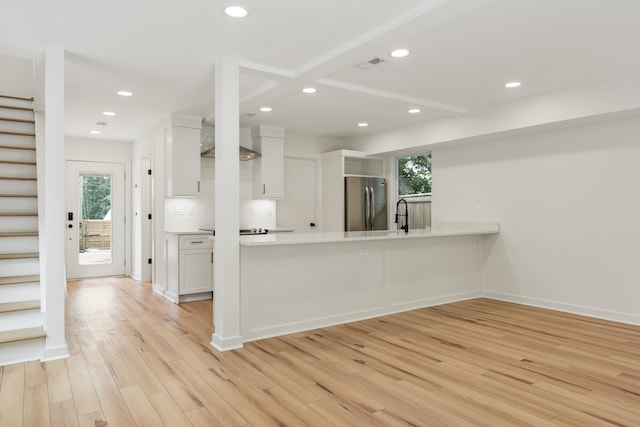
95	220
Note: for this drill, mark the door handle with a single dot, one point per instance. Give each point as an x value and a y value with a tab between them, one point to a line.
372	205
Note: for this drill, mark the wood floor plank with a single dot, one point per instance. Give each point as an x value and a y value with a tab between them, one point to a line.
145	376
85	397
93	419
168	411
12	395
140	407
210	397
35	374
203	418
36	406
63	414
111	401
58	381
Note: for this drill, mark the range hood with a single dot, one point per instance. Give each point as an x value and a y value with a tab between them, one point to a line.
208	149
245	153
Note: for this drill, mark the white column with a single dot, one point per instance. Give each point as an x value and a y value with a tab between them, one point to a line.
227	207
52	260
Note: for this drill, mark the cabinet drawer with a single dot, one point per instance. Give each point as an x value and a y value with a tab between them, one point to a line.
196	241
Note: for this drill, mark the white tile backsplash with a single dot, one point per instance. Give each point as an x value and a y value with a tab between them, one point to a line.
183	213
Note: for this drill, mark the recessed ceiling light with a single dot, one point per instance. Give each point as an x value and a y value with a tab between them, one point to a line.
236	11
511	85
309	90
363	124
108	113
95	132
399	53
265	109
124	93
414	111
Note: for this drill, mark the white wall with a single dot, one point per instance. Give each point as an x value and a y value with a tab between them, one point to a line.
96	150
304	144
569	213
17	76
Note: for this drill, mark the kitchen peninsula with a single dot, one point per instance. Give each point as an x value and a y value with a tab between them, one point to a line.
299	281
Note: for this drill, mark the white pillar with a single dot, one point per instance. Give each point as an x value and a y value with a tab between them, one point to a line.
52	259
227	207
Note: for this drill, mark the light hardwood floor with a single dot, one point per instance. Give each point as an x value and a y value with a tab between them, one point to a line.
137	359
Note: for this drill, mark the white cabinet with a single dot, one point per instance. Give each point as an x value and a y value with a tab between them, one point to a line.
182	157
268	170
196	264
189	267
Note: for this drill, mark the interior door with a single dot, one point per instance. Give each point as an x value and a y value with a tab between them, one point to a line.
298	208
95	219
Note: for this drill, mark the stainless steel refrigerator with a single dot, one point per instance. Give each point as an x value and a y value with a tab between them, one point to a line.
365	204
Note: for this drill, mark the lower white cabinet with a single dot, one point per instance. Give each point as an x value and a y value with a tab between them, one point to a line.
189	267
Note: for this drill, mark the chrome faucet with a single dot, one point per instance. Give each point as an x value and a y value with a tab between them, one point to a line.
404	227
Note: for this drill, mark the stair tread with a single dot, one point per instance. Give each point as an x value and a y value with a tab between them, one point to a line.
14	280
19	178
18	213
20	255
21	98
11	119
18	162
7	307
12	107
17	147
7	132
21	335
18	233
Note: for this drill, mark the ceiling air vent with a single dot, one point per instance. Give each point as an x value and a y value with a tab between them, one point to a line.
370	63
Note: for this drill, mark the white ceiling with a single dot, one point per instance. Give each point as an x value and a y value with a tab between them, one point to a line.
462	53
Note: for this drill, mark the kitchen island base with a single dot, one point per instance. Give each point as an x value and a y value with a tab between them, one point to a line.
289	287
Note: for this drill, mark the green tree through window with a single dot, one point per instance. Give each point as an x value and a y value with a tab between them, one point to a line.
96	196
414	175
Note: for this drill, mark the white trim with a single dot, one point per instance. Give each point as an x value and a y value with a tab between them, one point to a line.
598	313
54	353
226	344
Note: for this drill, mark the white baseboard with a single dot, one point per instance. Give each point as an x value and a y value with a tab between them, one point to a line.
430	302
598	313
55	353
226	344
356	316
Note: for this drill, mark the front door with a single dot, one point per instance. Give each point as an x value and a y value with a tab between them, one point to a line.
95	219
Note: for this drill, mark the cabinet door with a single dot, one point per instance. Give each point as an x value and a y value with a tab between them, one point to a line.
196	272
272	169
183	162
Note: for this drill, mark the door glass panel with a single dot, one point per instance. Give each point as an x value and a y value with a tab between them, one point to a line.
94	225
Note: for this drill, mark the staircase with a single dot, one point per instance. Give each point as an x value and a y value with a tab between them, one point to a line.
21	335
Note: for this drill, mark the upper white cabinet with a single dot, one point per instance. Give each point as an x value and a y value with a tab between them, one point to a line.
182	156
268	170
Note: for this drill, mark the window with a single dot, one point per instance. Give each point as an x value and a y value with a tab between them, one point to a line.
414	185
414	175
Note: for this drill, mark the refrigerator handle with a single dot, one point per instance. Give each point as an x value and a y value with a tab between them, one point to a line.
367	208
372	205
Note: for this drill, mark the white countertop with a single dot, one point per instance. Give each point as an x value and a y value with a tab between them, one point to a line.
194	231
444	230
